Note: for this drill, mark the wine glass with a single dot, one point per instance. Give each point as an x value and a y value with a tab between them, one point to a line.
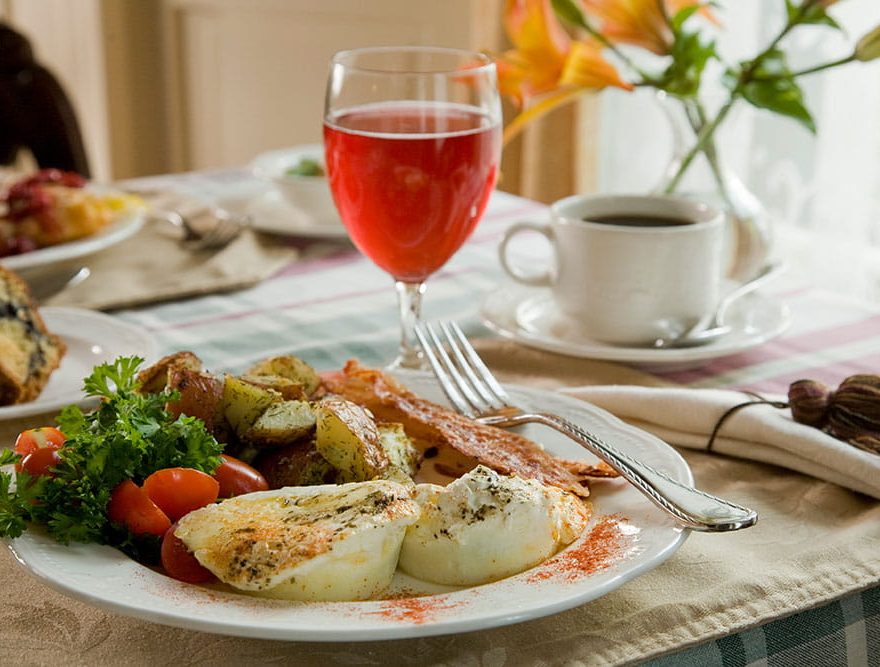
412	137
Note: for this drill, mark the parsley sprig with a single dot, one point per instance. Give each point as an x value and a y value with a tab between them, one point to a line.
128	436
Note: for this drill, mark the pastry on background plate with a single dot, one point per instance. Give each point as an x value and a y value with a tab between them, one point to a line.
29	352
52	207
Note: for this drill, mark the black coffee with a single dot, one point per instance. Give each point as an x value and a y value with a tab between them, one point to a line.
638	220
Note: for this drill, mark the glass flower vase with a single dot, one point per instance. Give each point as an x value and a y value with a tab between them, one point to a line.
701	173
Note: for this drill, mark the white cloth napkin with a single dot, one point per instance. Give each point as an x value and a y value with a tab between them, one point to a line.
686	418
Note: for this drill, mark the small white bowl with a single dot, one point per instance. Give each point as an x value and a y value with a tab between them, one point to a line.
308	194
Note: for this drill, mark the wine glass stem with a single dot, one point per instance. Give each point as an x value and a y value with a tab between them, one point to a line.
409	299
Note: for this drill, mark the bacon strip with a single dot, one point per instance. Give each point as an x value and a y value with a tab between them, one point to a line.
585	471
496	448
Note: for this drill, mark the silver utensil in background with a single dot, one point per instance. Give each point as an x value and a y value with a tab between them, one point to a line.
714	326
47	282
203	226
223	227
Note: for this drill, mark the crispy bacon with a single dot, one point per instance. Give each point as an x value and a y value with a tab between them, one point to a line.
496	448
586	471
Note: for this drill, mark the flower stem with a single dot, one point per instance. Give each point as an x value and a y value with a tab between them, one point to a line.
812	70
707	131
703	137
697	117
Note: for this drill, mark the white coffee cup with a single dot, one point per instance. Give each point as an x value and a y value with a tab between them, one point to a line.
623	282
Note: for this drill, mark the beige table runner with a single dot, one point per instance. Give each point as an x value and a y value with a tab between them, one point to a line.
153	266
814	542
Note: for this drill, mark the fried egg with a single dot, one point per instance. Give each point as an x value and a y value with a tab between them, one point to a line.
328	542
484	526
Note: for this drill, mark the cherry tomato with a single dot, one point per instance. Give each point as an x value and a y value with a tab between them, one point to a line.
178	491
40	462
37	438
130	505
237	477
179	561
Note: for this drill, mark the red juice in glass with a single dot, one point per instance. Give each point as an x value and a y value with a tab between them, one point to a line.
411	180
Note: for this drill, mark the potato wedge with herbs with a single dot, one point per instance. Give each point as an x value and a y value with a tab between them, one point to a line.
290	390
282	424
294	465
154	379
290	367
348	438
401	451
243	403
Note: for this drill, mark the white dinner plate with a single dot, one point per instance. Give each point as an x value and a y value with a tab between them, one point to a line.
128	225
627	537
529	316
271	213
92	338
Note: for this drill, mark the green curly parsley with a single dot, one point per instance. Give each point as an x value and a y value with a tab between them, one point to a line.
129	436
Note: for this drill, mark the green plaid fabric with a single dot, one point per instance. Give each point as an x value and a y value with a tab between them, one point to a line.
844	632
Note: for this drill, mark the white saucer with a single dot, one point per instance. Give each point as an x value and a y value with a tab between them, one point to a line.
92	338
271	213
529	316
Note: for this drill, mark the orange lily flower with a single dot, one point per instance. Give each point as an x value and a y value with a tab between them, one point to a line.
640	22
545	58
546	62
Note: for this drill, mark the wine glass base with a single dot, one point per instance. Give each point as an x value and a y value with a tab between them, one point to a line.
415	361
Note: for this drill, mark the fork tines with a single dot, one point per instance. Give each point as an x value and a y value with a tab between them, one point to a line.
466	380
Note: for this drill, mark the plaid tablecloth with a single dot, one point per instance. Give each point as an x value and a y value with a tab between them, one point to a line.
332	305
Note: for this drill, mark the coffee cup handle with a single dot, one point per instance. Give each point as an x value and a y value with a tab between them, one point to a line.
539	279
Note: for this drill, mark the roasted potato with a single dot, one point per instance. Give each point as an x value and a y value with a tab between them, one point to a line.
348	438
294	465
201	396
154	379
402	454
290	390
282	424
290	367
243	403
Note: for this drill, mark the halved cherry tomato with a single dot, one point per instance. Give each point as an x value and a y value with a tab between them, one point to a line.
237	477
130	505
178	491
40	462
179	561
37	438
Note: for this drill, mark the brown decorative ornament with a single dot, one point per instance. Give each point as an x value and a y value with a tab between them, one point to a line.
851	413
808	400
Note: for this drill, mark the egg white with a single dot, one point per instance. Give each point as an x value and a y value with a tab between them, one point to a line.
329	542
484	526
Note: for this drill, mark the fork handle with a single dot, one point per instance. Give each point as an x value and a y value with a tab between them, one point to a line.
691	507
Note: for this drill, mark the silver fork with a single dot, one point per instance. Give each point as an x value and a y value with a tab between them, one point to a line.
474	391
226	228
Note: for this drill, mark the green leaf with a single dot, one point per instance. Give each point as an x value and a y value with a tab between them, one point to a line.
682	15
689	58
771	86
570	12
13	510
111	378
305	167
815	14
8	456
